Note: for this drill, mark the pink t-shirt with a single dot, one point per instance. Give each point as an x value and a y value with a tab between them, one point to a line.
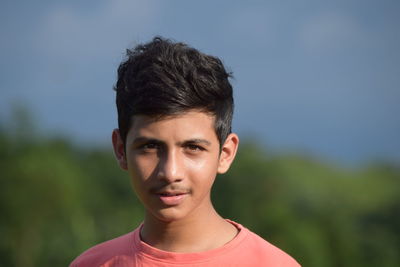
246	249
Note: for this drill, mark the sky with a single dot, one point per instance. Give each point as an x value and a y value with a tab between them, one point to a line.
319	78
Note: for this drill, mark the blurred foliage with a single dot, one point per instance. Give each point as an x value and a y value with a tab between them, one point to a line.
58	199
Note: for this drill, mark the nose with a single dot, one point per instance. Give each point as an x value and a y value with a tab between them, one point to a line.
171	167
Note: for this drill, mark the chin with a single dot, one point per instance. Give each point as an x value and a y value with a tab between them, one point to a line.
169	215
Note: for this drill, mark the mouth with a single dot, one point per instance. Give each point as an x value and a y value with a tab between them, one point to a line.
172	198
170	194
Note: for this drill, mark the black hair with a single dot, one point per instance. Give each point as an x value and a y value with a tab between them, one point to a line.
163	78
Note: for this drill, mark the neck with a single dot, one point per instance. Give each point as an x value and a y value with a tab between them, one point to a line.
191	234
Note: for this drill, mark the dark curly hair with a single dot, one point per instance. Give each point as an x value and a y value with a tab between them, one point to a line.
163	78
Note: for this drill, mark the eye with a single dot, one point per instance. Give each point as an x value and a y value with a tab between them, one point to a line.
149	147
194	148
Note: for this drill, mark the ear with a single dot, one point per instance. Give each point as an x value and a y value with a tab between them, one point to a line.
119	149
228	153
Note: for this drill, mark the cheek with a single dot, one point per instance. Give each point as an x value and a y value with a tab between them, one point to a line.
141	168
140	171
194	165
203	170
201	164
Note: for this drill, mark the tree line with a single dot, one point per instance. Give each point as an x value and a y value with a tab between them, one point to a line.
58	199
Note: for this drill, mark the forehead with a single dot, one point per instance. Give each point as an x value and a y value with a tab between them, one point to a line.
185	125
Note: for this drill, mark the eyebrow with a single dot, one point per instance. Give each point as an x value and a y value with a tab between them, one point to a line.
143	139
197	141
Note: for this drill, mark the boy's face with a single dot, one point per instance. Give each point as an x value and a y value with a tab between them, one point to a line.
173	163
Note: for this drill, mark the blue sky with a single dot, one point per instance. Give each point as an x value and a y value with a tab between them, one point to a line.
317	77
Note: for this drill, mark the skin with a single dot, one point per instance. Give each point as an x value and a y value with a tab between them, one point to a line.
173	163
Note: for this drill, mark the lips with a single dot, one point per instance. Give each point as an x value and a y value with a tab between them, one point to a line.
169	194
171	198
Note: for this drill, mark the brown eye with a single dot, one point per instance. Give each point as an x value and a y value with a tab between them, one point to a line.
194	148
148	147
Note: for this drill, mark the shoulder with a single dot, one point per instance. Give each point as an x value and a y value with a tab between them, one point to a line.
268	252
263	252
104	252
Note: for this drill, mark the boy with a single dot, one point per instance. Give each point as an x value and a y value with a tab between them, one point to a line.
175	109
